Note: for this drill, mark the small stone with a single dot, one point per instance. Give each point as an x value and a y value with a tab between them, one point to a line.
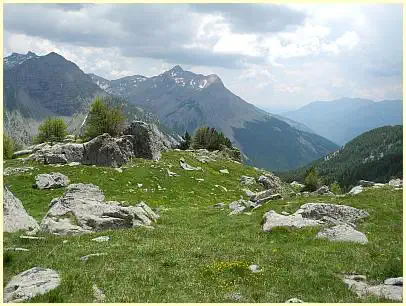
294	300
224	171
72	164
101	239
17	249
139	185
255	268
65	241
118	170
98	294
32	237
219	205
85	258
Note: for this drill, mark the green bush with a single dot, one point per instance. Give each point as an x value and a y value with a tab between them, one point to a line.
51	130
210	139
184	145
104	117
8	147
335	188
312	180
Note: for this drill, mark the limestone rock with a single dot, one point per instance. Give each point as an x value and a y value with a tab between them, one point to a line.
365	183
255	268
265	196
297	184
82	209
86	258
323	190
396	183
224	171
186	166
12	171
15	217
51	180
294	300
270	182
356	190
343	233
247	180
101	239
273	219
343	213
396	281
30	283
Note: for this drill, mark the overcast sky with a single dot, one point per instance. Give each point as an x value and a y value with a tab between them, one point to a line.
277	57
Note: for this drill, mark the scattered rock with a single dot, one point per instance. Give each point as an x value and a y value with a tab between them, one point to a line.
396	183
186	166
32	237
170	173
98	294
270	182
276	196
343	213
51	180
86	258
365	183
15	217
343	233
17	249
396	281
82	209
30	283
72	164
265	196
247	180
249	193
294	300
199	180
224	171
12	171
273	219
119	170
101	239
219	205
297	184
323	190
356	190
235	296
255	268
361	288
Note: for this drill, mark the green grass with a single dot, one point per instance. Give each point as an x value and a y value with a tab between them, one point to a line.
197	253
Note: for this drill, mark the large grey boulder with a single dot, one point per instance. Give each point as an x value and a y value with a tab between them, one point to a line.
51	180
272	219
270	182
343	213
323	190
343	232
15	217
82	209
30	283
105	150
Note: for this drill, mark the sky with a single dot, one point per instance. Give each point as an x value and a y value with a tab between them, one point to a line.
277	57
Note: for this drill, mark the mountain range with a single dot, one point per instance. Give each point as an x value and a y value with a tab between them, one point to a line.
343	119
39	86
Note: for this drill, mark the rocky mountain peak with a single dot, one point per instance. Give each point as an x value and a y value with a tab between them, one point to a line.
175	71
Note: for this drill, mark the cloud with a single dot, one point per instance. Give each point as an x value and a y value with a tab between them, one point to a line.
255	18
268	54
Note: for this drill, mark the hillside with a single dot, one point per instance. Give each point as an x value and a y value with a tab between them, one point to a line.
376	155
343	119
197	253
183	101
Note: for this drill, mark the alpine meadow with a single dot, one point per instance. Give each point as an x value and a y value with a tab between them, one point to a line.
202	153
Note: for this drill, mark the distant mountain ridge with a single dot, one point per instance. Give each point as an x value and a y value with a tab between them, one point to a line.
376	155
50	85
343	119
184	101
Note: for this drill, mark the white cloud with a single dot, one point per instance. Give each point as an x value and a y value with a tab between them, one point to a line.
345	42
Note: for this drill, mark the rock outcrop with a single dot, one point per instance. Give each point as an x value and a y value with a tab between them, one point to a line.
397	183
15	217
272	219
247	180
343	232
82	209
51	180
30	283
270	182
140	140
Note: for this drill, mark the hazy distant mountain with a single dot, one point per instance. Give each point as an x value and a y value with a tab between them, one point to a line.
343	119
184	101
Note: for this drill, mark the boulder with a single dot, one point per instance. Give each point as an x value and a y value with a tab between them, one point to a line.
247	180
272	219
51	180
270	182
186	166
271	197
359	286
30	283
265	195
12	171
343	213
297	184
240	206
82	209
343	232
323	190
365	183
356	190
396	183
15	217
